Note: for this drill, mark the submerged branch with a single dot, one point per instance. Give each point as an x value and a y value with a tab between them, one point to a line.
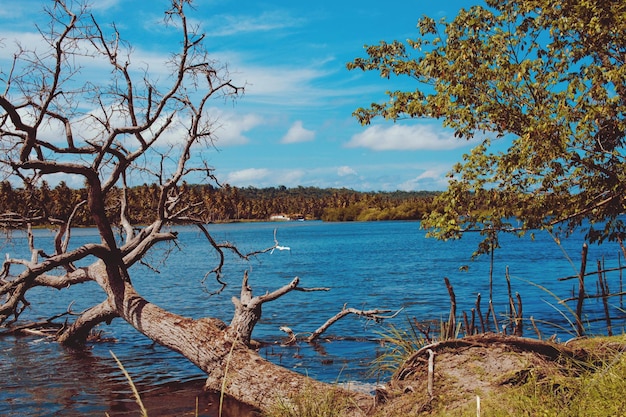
376	315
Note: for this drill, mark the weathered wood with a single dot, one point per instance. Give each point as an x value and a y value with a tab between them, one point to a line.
207	342
580	330
210	345
480	315
370	314
604	290
451	325
76	334
248	309
519	321
495	317
431	372
468	331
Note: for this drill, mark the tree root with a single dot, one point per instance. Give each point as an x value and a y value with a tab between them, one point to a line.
549	350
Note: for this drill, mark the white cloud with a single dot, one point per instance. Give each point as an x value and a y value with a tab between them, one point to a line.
424	178
232	127
263	177
228	25
290	177
297	133
95	69
229	128
405	138
286	85
10	41
345	171
104	4
280	85
430	179
249	176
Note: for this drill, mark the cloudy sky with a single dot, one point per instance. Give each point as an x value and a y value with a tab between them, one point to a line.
294	124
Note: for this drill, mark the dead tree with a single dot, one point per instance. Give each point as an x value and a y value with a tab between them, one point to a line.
376	315
248	308
54	120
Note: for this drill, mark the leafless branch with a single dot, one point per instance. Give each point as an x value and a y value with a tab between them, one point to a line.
219	248
376	315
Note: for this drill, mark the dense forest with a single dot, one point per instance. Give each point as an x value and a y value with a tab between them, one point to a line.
220	204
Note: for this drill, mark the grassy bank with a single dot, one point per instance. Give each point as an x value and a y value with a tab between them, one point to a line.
491	377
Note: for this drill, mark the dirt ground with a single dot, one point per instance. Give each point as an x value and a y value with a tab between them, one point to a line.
477	366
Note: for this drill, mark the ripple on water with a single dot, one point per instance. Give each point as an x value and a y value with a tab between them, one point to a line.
367	265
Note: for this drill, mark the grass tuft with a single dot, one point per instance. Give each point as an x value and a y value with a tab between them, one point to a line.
313	403
595	390
144	412
399	345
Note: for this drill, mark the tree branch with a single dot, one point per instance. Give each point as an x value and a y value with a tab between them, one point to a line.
376	315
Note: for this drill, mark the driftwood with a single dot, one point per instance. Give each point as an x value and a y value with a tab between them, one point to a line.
431	372
604	290
450	328
515	311
480	314
39	328
46	327
603	293
116	149
581	292
376	315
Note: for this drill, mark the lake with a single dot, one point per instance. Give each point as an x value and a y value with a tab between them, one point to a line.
378	265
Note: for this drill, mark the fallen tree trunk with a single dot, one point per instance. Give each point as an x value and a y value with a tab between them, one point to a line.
131	118
216	349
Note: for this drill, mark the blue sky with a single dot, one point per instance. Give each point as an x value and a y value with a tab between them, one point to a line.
294	124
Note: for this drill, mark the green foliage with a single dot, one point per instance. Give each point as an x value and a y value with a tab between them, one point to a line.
597	391
542	86
219	204
382	206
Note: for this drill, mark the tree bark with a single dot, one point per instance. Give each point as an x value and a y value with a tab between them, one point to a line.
150	110
215	347
221	351
76	334
370	314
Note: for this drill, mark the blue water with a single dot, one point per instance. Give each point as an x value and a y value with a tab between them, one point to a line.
383	265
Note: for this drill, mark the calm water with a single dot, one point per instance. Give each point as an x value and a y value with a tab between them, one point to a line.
387	265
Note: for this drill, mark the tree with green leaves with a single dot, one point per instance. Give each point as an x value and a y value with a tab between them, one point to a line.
541	87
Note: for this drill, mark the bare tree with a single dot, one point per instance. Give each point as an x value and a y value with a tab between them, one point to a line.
55	119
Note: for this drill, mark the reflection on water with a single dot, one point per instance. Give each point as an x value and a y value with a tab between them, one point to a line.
386	265
42	379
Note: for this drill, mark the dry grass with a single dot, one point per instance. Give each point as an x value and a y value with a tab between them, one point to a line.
310	403
144	412
590	383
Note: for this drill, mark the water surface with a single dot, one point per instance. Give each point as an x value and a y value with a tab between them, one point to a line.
383	265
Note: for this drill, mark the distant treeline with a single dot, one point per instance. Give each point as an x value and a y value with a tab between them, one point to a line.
224	204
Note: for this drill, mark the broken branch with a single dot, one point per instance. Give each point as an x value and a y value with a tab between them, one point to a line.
376	315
